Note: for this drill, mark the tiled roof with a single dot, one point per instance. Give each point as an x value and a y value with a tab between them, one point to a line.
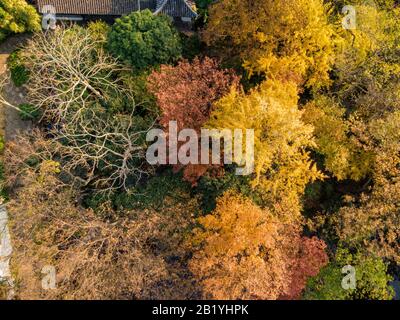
174	8
96	7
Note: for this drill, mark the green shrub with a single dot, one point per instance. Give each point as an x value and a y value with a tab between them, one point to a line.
150	195
143	39
203	4
145	100
191	46
99	31
211	188
29	112
2	144
372	279
19	73
154	192
202	9
3	36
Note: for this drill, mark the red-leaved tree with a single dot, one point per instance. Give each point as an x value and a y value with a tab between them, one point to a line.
309	256
185	93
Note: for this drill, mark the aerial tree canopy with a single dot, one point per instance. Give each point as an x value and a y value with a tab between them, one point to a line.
320	94
282	163
367	66
16	16
90	110
186	94
345	157
143	39
279	39
372	222
371	279
245	252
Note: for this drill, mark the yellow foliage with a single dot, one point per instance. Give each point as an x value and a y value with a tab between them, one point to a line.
370	33
246	252
48	168
372	221
285	39
282	164
343	156
386	132
367	67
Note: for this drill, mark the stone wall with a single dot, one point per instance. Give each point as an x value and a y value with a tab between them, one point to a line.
5	249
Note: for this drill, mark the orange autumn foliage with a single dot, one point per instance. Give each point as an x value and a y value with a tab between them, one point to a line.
245	252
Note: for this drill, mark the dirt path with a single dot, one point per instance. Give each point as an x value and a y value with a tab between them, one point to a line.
10	122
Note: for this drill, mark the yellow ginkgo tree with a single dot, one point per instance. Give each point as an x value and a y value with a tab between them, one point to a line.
345	154
288	39
281	138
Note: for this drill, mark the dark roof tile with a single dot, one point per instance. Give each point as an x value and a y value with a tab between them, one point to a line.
175	8
96	7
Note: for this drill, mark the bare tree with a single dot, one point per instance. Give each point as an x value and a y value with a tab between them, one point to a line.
69	69
111	144
76	85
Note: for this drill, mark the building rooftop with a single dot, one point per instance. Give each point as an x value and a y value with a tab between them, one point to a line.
174	8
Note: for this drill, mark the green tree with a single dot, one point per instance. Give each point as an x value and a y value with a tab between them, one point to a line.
143	39
202	8
19	73
371	279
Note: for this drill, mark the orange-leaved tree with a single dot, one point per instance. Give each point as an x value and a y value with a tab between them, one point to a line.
245	252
